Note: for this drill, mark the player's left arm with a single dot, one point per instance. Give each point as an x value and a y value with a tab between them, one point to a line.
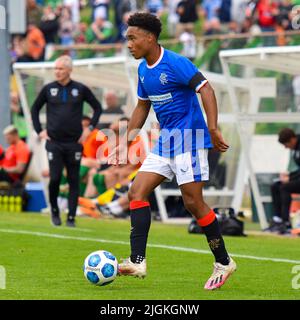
209	102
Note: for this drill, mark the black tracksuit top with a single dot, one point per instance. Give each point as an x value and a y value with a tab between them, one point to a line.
64	110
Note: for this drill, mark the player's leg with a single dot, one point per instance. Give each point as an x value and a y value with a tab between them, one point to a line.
140	215
152	173
206	218
56	166
72	158
191	171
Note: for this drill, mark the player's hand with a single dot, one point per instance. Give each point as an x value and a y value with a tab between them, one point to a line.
44	135
218	141
118	156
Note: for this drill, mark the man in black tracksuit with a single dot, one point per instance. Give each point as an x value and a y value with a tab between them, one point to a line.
64	99
289	183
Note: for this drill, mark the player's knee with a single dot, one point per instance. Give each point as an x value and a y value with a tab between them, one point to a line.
194	205
134	194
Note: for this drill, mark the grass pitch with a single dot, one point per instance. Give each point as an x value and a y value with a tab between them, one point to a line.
45	262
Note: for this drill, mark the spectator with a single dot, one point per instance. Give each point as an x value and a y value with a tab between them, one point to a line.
100	31
283	18
154	6
80	33
267	11
123	28
17	155
173	17
288	183
34	12
187	12
18	48
188	39
122	9
100	9
66	28
225	11
210	9
74	7
238	11
35	43
49	25
17	115
112	102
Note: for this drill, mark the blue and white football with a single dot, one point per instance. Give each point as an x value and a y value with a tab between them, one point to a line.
100	267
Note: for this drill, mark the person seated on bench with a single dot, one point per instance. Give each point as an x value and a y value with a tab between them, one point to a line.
286	185
14	160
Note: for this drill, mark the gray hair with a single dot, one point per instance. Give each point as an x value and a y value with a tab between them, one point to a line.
66	60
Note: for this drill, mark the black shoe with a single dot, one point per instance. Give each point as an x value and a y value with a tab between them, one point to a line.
55	219
274	227
70	222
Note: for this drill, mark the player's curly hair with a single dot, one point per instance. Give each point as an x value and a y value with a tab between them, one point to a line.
146	21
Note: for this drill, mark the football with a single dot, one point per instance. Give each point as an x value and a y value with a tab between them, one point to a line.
100	267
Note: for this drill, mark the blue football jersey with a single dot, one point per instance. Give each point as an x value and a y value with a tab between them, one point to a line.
170	84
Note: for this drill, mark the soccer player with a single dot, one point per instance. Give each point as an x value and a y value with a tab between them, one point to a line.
64	98
169	82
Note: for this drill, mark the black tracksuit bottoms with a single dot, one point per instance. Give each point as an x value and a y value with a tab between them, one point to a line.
281	198
64	155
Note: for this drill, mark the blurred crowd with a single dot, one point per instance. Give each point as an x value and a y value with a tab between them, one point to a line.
69	22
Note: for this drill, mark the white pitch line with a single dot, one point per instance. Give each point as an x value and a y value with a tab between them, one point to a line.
161	246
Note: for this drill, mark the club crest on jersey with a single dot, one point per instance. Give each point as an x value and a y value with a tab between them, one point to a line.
53	92
142	79
77	156
75	92
163	78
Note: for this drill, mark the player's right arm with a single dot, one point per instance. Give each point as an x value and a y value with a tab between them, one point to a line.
35	113
138	118
135	123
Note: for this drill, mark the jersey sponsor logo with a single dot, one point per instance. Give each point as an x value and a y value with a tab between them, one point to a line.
75	92
162	97
53	92
163	78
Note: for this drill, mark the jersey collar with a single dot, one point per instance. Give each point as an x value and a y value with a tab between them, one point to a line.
70	82
158	61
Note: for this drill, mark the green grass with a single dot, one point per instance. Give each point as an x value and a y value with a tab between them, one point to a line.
41	267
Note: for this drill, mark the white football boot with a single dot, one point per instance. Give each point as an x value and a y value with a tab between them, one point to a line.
128	268
220	275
